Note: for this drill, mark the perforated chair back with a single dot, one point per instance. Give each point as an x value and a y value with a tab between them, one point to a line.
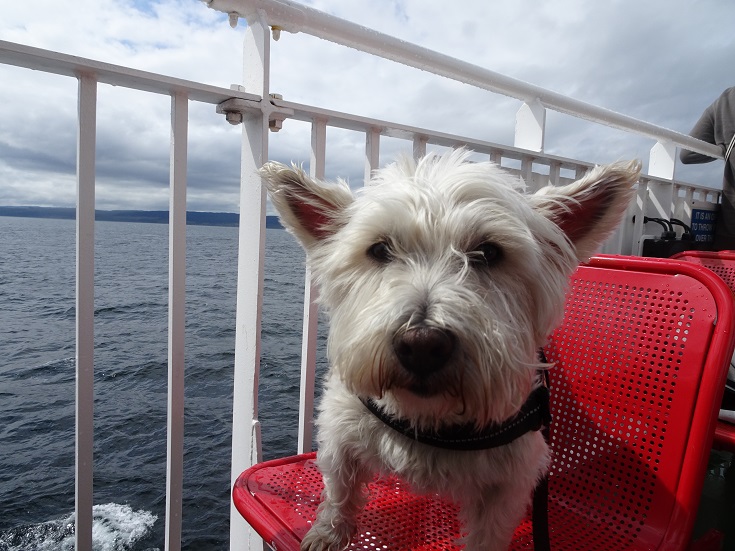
721	263
639	363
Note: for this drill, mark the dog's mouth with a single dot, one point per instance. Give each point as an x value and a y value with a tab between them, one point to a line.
425	386
437	384
422	389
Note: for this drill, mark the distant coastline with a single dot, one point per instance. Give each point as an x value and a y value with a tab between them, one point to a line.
194	218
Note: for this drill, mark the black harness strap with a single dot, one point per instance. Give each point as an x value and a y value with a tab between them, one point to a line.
533	415
540	514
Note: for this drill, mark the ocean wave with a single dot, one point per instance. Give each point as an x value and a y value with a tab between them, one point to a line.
146	308
115	527
57	370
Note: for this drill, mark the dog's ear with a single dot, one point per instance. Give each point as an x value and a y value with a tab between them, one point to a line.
310	209
590	209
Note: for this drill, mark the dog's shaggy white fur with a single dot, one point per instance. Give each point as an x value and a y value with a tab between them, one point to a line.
442	279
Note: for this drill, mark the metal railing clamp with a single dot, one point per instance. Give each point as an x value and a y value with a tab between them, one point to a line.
234	110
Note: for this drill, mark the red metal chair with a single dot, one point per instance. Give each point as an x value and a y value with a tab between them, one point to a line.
723	264
640	362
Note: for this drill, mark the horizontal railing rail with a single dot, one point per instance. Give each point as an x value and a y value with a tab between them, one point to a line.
356	123
56	63
293	17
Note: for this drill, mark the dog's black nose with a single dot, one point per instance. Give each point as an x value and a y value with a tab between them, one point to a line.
423	350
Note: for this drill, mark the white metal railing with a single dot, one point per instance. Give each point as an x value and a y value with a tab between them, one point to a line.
86	147
90	73
658	195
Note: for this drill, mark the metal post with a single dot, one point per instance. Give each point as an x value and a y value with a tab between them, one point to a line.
554	173
86	148
372	153
641	202
419	146
496	157
311	311
246	443
176	320
661	164
527	173
531	126
662	160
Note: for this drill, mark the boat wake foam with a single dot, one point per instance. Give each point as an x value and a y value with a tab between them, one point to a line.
115	527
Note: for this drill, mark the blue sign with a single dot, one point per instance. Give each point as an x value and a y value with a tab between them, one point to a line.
703	225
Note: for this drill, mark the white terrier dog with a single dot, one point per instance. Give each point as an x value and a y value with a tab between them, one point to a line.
442	281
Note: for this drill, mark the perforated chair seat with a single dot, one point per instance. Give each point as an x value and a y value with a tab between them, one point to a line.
395	519
639	361
290	488
721	263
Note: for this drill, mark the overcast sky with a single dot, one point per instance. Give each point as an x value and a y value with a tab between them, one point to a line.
662	61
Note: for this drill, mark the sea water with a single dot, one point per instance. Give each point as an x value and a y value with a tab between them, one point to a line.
37	373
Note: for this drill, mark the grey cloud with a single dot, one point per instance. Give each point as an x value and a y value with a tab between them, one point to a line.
655	61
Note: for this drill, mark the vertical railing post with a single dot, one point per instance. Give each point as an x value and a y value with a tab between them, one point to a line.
662	160
246	442
419	146
683	204
527	173
554	173
372	153
496	157
176	320
311	311
661	164
641	202
531	126
86	139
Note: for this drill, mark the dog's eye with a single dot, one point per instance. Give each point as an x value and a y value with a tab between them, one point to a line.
381	252
488	254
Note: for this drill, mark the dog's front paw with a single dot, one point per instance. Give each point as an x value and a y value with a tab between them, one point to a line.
327	538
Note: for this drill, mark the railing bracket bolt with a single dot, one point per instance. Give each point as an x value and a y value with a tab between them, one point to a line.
233	117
